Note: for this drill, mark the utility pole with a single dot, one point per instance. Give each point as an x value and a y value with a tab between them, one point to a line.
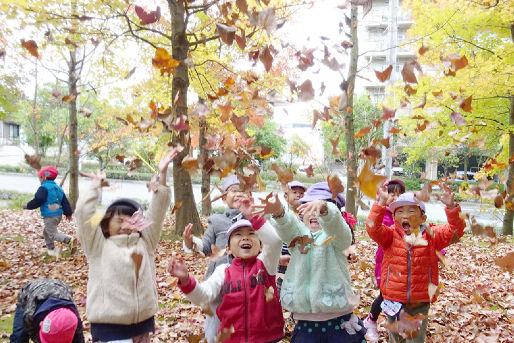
391	60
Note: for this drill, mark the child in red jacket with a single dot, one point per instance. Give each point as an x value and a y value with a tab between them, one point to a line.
250	308
410	275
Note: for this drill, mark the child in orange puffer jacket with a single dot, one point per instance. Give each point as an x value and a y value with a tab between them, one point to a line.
410	275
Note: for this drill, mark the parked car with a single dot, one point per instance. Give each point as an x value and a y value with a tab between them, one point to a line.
460	175
398	171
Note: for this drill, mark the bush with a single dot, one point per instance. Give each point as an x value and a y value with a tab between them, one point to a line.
411	184
16	199
15	169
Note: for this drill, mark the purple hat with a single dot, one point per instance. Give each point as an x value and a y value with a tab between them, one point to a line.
229	181
321	191
237	225
406	199
293	184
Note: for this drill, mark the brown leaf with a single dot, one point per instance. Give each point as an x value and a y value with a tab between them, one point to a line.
437	94
191	164
335	143
226	110
284	175
227	33
266	58
240	123
137	258
362	132
422	49
303	241
466	104
31	47
225	162
383	76
506	262
34	161
335	185
384	142
309	171
388	113
200	338
70	98
306	92
371	154
148	17
408	71
409	90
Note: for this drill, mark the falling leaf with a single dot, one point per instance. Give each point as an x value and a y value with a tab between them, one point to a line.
95	220
371	154
240	123
191	164
303	242
328	240
385	142
266	58
148	17
216	253
335	185
422	49
181	124
425	192
227	33
369	182
437	94
415	239
269	293
176	206
433	290
137	258
408	71
33	160
31	47
200	338
457	119
335	142
409	90
394	131
388	113
164	62
382	76
506	262
135	223
85	112
306	92
284	175
266	19
70	98
465	104
362	132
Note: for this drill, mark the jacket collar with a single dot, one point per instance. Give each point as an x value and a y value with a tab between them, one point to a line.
238	262
125	240
231	212
400	230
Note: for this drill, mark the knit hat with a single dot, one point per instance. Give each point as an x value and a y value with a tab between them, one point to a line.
125	202
58	326
229	181
406	199
237	225
48	172
321	191
293	184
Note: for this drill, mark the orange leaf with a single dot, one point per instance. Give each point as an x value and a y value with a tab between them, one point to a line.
408	71
388	113
31	47
409	90
303	241
164	62
422	49
191	164
466	104
382	76
437	94
309	171
69	98
369	182
225	110
284	175
506	262
362	132
335	185
394	131
328	240
176	206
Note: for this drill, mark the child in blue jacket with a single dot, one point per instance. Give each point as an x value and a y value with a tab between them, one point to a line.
52	201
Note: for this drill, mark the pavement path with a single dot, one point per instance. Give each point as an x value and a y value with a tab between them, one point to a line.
485	214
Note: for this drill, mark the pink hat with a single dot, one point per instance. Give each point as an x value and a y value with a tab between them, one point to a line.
58	326
49	172
406	199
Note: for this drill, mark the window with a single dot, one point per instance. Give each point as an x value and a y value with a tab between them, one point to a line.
14	131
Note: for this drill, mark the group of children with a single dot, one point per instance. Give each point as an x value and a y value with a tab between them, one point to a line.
241	287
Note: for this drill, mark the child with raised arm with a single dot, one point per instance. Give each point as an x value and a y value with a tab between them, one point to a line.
317	286
52	201
121	289
219	223
250	308
410	273
395	187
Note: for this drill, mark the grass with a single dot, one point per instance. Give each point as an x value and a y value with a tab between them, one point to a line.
6	323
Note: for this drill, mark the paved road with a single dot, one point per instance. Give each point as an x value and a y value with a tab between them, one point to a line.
138	190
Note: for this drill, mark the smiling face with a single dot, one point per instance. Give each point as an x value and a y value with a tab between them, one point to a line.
232	192
292	196
115	223
410	217
244	243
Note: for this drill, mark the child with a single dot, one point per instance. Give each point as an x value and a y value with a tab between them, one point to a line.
121	289
249	304
294	192
45	312
395	187
52	201
215	234
410	262
317	287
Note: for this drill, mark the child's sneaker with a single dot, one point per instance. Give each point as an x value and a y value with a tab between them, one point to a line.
72	245
371	326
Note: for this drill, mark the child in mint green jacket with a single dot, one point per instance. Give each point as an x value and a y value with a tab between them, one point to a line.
317	286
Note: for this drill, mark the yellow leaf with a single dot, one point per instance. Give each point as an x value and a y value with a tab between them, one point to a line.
368	182
95	219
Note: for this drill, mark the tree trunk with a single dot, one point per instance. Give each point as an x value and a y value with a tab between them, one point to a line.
508	219
466	162
183	189
34	114
351	156
73	144
206	177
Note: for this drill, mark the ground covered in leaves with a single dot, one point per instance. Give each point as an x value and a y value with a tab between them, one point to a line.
476	303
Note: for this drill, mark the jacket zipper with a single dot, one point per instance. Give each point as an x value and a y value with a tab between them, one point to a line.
387	279
408	271
307	288
246	307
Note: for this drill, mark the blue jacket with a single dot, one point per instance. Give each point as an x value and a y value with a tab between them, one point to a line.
52	201
317	281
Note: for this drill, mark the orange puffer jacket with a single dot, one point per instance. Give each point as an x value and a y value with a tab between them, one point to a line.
408	269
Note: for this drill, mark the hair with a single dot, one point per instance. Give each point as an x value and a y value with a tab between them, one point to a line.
111	212
394	187
339	207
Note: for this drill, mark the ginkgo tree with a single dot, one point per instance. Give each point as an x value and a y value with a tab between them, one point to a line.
469	97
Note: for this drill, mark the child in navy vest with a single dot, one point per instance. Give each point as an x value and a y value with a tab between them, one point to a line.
52	201
250	310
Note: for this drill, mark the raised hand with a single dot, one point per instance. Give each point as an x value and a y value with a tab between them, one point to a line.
164	163
99	175
274	207
312	208
188	236
244	203
385	198
178	268
446	196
